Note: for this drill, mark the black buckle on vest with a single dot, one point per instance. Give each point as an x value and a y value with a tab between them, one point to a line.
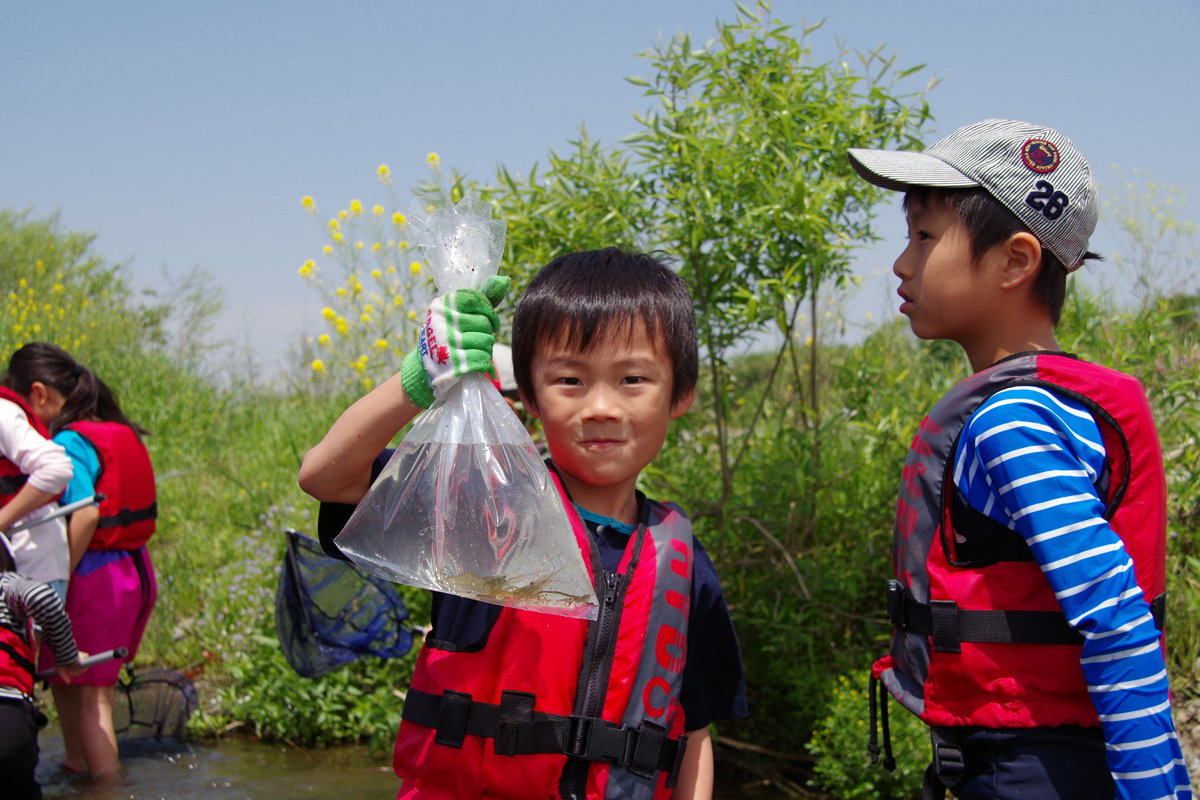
599	740
452	716
944	616
673	775
126	517
895	605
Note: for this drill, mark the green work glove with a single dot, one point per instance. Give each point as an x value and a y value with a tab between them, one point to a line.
457	338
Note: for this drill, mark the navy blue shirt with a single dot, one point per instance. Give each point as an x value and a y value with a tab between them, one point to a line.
714	685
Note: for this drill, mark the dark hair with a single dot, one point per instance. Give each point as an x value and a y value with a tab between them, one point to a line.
87	397
588	294
989	223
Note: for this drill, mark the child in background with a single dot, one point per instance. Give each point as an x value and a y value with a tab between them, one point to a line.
112	587
1030	536
33	471
24	601
517	704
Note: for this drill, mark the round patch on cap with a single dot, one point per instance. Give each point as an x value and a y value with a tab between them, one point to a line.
1040	155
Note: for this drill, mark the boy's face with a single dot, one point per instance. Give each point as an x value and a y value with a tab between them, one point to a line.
946	295
605	411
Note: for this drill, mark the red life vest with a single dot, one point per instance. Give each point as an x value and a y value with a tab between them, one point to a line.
129	508
548	706
11	477
980	637
16	661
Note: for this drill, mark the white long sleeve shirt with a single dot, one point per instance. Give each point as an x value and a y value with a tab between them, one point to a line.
40	551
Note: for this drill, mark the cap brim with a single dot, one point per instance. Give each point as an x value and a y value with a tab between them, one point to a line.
900	169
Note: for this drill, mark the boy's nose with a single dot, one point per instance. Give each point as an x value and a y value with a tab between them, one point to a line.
902	267
602	404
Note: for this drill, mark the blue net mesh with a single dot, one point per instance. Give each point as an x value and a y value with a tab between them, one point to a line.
329	612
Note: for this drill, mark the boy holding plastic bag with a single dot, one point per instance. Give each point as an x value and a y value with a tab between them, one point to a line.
510	703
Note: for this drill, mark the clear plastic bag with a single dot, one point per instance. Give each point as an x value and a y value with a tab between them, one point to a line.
465	505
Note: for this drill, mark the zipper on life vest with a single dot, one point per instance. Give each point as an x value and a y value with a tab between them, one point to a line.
605	641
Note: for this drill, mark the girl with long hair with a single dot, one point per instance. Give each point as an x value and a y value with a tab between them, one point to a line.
112	588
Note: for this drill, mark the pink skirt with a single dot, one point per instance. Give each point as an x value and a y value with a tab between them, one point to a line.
109	602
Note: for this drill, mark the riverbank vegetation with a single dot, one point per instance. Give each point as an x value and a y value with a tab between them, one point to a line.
788	463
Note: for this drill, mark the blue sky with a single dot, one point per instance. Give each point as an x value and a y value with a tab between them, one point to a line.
187	134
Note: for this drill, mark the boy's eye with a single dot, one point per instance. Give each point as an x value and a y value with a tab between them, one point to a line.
568	381
922	236
632	379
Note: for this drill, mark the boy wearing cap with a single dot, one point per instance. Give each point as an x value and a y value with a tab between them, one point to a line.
1029	545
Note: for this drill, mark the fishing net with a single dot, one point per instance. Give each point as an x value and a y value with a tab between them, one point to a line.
330	612
154	704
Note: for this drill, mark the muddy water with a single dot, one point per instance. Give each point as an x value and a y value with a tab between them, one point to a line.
247	769
233	769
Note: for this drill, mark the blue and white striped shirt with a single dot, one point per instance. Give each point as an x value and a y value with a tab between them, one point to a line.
1028	458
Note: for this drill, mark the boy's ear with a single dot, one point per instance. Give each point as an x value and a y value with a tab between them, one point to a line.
682	405
530	407
1022	257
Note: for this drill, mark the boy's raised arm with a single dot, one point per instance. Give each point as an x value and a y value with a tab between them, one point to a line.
338	469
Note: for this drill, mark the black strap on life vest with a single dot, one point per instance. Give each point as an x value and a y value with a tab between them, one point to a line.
11	484
948	625
519	730
889	762
947	768
124	518
18	659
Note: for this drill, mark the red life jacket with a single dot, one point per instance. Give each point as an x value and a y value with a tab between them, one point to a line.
16	661
981	638
548	706
129	508
11	477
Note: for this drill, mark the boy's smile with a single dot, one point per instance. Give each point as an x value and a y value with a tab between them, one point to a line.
605	412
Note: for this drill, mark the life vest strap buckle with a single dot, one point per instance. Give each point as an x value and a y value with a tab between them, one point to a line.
599	740
896	596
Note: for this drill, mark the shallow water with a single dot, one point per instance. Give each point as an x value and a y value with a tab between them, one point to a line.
247	769
233	769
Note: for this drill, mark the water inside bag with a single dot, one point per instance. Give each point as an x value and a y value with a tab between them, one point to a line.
465	510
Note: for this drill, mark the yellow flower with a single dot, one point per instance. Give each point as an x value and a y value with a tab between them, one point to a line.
337	237
368	308
377	211
375	248
328	249
403	245
433	159
368	383
307	268
318	365
366	317
397	300
323	338
58	287
309	204
341	215
415	267
399	219
341	326
355	207
385	174
334	224
341	292
328	313
381	344
376	274
411	314
359	245
391	270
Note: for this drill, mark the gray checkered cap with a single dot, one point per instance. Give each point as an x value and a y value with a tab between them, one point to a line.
1035	172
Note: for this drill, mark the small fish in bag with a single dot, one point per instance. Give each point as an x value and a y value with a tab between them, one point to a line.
465	506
